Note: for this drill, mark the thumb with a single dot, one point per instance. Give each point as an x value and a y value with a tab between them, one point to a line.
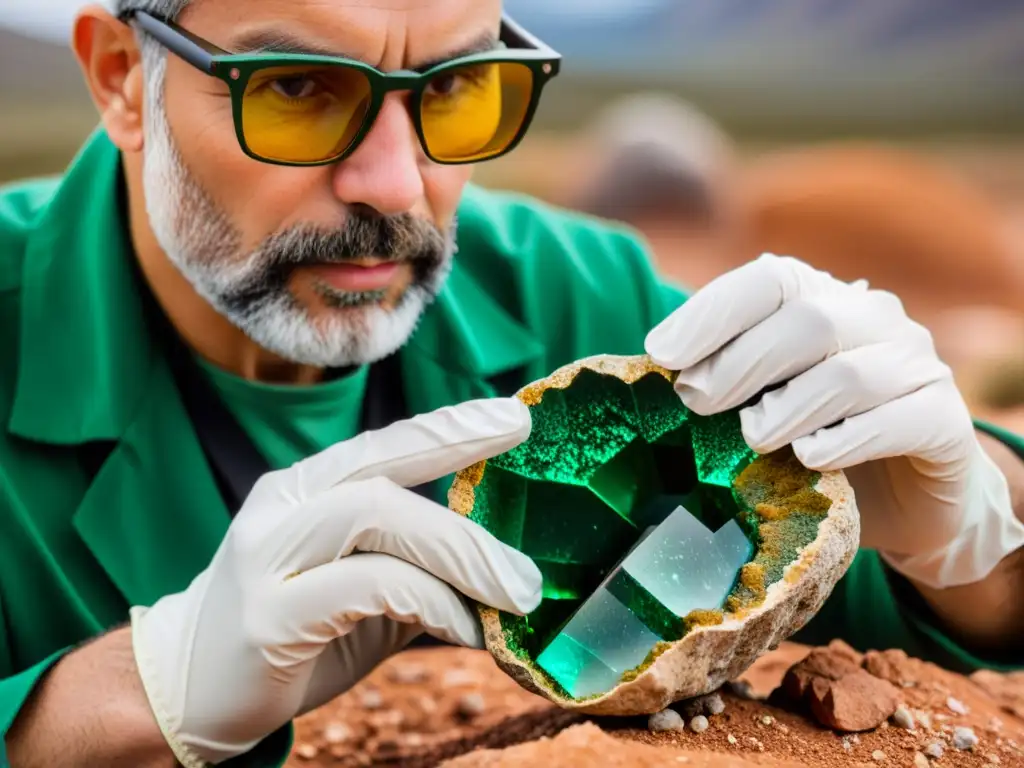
420	449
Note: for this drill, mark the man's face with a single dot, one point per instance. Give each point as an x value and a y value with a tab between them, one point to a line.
330	265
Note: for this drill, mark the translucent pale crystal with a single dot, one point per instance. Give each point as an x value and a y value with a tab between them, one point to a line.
679	566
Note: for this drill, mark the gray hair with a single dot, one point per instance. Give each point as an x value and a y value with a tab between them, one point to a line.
167	9
154	55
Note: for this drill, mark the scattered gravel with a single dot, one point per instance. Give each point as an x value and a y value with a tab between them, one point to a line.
903	718
713	705
408	674
957	706
666	720
699	724
964	738
935	750
306	751
337	733
471	705
456	677
371	699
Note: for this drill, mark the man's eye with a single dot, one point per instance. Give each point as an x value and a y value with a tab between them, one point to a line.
443	85
298	87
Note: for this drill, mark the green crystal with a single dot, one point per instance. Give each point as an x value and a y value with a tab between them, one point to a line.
606	464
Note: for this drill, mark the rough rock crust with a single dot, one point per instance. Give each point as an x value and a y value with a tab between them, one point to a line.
707	656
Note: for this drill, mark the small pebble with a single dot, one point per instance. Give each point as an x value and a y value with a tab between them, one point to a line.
699	724
408	674
995	724
847	745
903	718
767	720
924	718
371	699
682	759
389	718
666	720
993	759
471	705
306	751
714	705
920	761
453	678
731	739
964	738
337	733
413	739
783	729
855	739
957	706
878	755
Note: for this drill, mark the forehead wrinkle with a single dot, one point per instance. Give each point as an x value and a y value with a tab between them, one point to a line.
279	41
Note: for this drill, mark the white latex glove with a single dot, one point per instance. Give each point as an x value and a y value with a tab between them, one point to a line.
329	567
864	392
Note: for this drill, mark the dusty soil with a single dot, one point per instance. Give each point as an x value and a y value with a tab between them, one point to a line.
453	707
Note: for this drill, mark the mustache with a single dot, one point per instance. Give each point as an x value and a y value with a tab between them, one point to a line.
402	238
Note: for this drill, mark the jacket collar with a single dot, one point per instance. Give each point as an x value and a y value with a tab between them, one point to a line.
86	355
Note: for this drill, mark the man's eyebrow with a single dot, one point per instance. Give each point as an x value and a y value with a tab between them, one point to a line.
270	41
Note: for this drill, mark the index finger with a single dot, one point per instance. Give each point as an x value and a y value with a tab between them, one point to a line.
731	304
417	450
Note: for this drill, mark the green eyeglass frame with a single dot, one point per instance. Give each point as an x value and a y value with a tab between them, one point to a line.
518	47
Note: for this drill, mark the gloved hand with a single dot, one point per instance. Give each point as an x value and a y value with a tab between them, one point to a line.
864	392
329	567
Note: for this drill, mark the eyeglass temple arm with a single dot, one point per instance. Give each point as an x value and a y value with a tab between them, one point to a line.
179	41
515	36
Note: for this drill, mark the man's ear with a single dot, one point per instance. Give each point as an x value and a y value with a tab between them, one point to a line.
108	54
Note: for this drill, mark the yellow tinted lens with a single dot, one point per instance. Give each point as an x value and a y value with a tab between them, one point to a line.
304	114
475	111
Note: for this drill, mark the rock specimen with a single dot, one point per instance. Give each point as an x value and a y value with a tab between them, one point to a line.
672	555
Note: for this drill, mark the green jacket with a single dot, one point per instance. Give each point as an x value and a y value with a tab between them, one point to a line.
533	288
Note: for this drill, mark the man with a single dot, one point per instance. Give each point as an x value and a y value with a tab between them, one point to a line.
245	236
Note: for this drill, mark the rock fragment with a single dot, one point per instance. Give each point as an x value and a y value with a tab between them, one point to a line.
337	733
371	699
470	705
408	674
699	724
903	718
920	761
878	756
306	751
714	705
934	750
957	706
666	720
964	738
856	702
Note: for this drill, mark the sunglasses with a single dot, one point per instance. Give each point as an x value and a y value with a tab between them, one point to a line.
305	109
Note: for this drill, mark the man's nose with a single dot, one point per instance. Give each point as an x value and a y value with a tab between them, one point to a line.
384	171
